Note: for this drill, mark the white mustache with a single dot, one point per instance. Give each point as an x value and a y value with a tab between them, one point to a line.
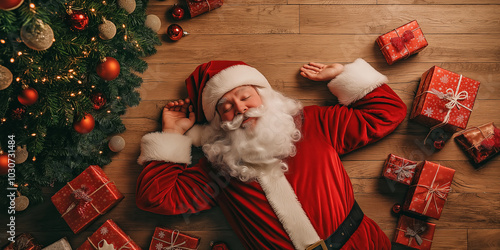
238	120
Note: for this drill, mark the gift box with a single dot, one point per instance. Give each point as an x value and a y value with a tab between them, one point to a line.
414	233
23	241
173	239
402	42
444	99
429	189
480	143
61	244
197	7
109	236
86	197
399	169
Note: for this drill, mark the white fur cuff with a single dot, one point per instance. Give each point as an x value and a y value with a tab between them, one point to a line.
195	134
357	80
169	147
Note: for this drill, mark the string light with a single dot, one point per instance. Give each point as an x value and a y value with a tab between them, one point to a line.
92	39
72	94
34	158
18	79
19	53
92	9
3	119
79	82
58	77
12	60
2	41
118	97
34	134
109	111
71	70
32	5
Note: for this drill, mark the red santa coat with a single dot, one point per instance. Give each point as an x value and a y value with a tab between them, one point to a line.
369	110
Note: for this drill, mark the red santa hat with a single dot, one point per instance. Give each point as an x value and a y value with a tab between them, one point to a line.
210	81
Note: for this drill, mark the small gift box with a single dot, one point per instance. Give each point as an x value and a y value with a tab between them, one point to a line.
399	169
61	244
109	237
429	189
402	42
480	143
164	238
23	241
197	7
444	99
86	197
414	233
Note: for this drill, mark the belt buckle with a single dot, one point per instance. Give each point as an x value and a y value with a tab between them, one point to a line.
318	243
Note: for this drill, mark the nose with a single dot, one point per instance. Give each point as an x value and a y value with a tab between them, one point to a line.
240	108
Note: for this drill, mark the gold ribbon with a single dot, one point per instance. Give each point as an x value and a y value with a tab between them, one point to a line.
439	191
74	204
173	240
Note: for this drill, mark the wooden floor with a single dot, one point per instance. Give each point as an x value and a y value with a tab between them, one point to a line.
277	37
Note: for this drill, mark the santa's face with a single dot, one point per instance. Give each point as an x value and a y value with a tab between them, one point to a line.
238	101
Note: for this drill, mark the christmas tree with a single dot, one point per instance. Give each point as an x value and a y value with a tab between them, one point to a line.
67	72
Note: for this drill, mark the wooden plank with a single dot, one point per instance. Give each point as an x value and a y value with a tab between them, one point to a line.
332	2
155	4
444	239
487	239
333	19
432	2
283	48
239	19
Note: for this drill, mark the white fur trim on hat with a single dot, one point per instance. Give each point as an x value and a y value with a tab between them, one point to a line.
357	80
226	80
169	147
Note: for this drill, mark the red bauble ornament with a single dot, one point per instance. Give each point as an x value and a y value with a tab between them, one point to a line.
396	208
439	144
10	4
4	164
28	96
78	19
177	12
109	69
85	125
99	100
175	32
219	246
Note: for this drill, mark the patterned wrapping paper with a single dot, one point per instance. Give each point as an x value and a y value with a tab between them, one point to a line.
402	42
109	237
23	241
480	143
444	99
86	197
197	7
414	233
61	244
399	169
429	189
165	238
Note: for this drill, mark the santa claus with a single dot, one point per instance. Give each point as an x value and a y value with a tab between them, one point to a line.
271	165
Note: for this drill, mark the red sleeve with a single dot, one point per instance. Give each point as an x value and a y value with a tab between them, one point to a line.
365	121
172	188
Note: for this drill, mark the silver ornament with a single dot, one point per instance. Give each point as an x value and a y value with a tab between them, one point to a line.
107	30
153	22
38	35
116	144
21	154
5	77
128	5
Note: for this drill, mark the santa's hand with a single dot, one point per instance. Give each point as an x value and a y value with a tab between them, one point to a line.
178	116
321	72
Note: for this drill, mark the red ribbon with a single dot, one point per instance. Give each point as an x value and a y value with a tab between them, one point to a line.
399	42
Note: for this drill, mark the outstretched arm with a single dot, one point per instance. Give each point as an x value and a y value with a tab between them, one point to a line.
321	72
178	117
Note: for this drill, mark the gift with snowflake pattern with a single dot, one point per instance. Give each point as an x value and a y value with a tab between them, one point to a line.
444	99
429	189
86	197
197	7
402	42
399	169
164	238
414	233
109	237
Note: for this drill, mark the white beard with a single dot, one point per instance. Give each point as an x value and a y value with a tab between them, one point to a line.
249	152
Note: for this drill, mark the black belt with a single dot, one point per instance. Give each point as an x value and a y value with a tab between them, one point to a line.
343	232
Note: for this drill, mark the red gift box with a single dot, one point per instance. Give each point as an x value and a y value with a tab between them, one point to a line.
429	189
23	241
480	143
86	197
444	99
402	42
399	169
414	233
109	236
199	7
173	239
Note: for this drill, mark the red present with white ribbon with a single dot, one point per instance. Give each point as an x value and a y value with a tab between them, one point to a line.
402	42
444	99
109	237
168	239
86	197
414	233
429	189
198	7
399	169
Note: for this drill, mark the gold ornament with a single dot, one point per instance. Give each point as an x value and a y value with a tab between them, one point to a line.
153	22
116	144
37	35
128	5
5	77
21	154
22	202
107	30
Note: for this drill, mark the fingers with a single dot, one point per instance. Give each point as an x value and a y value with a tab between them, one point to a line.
318	65
179	105
192	116
311	67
